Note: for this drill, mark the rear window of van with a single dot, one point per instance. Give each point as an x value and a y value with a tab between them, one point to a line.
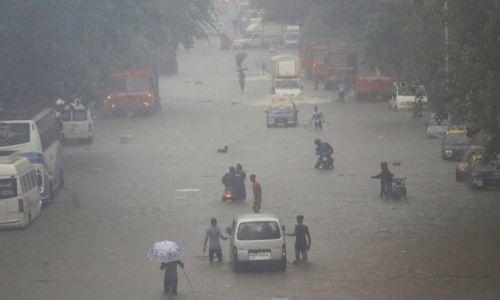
250	231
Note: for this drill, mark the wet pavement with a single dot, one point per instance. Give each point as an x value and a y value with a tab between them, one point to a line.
441	243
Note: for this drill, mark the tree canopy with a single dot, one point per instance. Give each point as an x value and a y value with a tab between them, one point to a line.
54	48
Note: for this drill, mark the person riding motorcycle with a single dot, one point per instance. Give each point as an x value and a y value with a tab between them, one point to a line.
323	149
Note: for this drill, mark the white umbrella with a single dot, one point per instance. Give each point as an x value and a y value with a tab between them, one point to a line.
165	252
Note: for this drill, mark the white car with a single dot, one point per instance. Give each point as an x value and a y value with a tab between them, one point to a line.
404	96
257	239
78	124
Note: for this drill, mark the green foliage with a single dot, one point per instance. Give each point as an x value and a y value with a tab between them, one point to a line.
53	48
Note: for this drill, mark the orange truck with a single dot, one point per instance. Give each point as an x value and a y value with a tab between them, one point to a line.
134	90
312	57
374	87
340	66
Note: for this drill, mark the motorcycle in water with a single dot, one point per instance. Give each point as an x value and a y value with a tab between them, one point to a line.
228	195
326	162
398	188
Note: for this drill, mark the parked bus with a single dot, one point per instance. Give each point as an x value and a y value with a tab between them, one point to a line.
36	136
20	199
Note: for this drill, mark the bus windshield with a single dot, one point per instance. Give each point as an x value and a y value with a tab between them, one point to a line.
12	134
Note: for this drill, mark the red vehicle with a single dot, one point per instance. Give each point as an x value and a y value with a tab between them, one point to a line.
134	90
340	66
312	57
373	87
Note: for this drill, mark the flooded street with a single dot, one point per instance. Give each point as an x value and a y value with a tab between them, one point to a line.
441	243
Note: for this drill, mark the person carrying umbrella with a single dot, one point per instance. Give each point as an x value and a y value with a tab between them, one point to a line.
170	276
169	254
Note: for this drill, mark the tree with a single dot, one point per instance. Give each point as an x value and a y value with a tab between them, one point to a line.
53	48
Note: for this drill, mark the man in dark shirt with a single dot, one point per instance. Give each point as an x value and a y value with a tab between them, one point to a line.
301	244
385	180
170	276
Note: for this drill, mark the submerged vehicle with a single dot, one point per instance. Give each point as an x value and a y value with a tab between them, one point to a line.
398	188
282	113
285	75
228	195
437	127
134	90
454	144
20	199
484	174
257	239
405	96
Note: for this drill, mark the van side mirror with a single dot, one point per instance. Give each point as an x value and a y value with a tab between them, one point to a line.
283	228
228	230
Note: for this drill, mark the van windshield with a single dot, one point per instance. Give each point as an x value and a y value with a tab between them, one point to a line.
12	134
8	188
250	231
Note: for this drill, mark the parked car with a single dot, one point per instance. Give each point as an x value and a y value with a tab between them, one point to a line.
78	125
484	174
282	113
257	239
464	164
454	144
436	127
404	96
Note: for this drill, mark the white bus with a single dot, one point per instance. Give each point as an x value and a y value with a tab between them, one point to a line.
36	136
20	199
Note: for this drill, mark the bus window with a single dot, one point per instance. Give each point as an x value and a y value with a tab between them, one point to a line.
12	134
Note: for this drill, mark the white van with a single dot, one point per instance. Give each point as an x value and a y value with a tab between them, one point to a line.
20	199
257	238
78	124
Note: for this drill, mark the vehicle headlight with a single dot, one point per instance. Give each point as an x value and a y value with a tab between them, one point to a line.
448	153
270	120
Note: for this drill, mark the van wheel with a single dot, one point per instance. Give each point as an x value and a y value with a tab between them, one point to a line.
283	264
236	266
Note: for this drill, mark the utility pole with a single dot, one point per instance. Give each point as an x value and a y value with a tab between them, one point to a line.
446	42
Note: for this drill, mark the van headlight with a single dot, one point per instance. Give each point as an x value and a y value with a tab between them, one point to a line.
448	153
270	120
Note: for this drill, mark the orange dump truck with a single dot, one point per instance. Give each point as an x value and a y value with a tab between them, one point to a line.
134	90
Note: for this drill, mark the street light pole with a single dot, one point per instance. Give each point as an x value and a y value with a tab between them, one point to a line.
446	42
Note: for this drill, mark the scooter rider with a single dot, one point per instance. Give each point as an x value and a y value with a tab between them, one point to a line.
323	149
